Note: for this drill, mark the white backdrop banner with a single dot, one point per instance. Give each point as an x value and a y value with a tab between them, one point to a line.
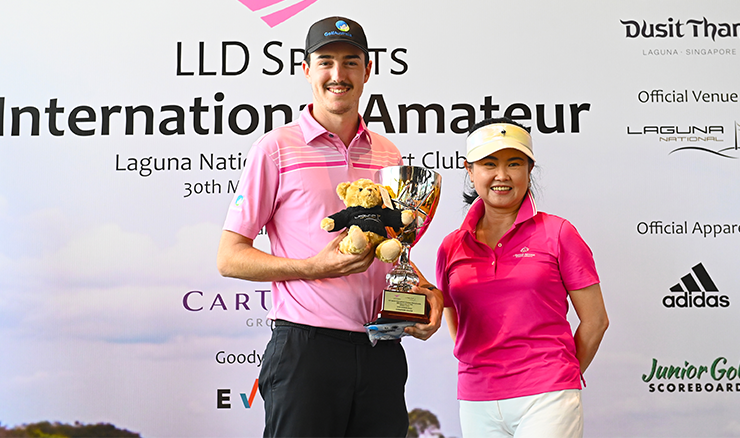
124	128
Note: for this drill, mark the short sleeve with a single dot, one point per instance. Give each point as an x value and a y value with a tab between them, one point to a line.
256	195
577	266
443	282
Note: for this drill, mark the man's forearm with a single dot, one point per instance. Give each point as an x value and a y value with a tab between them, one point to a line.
238	258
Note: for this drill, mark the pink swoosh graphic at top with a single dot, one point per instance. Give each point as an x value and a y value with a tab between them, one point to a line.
278	17
256	5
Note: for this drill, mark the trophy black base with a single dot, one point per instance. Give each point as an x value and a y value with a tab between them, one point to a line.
387	316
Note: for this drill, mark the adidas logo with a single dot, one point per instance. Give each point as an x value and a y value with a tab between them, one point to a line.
689	293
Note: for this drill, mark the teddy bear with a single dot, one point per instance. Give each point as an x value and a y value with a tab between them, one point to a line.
367	218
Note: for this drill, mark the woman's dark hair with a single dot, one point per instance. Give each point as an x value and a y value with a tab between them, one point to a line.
469	193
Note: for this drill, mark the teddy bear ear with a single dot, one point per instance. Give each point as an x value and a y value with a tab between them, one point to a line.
342	190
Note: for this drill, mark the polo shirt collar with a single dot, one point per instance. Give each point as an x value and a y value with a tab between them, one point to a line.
312	129
527	211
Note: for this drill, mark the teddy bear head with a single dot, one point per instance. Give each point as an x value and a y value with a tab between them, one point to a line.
361	193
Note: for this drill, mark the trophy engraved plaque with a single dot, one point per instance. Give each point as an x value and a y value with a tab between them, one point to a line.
416	189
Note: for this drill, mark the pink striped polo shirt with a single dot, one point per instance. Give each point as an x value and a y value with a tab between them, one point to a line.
513	337
288	186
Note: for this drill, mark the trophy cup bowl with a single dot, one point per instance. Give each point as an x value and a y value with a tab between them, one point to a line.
416	189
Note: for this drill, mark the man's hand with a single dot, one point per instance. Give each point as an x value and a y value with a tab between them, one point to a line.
330	262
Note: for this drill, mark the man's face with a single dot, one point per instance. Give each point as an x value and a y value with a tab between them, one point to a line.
337	74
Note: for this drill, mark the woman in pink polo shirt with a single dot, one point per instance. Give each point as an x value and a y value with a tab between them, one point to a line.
506	275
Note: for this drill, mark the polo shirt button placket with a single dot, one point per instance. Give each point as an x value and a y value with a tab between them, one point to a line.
342	149
493	263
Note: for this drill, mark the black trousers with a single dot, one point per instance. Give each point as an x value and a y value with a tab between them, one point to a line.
330	383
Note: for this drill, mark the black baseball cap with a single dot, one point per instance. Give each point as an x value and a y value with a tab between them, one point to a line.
335	29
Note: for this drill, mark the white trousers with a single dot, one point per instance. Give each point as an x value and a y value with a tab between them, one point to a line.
557	414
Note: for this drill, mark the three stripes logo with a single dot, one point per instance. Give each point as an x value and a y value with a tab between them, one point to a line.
688	293
277	11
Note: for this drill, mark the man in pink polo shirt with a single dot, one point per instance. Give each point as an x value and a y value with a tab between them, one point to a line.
320	374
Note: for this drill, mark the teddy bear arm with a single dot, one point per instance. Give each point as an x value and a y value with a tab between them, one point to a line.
339	219
393	219
327	224
407	216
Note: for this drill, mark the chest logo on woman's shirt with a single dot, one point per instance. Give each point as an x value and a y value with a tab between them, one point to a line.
524	252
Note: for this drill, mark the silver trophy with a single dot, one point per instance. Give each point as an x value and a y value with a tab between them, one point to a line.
416	189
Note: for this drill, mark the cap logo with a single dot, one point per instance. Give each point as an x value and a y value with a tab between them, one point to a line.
335	29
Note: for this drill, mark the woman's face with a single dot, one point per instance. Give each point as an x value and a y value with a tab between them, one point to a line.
501	179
